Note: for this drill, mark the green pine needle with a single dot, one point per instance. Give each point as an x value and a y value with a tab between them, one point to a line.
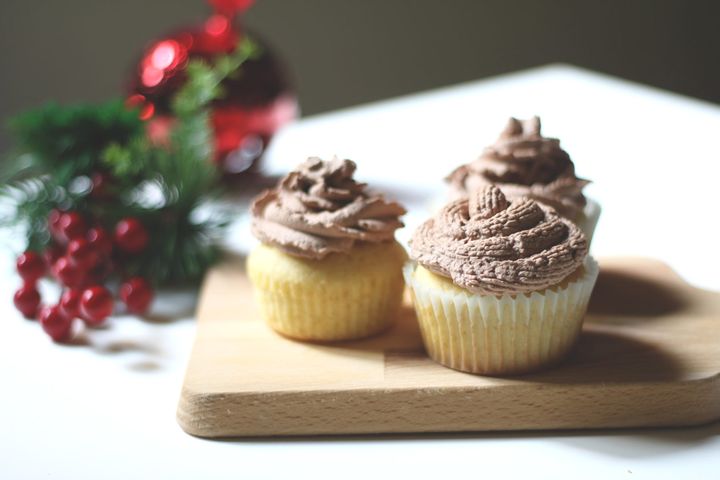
166	187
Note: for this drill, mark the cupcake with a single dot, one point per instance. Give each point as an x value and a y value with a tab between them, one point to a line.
523	163
328	267
499	286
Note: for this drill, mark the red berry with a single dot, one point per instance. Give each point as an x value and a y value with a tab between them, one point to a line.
70	303
82	254
72	225
96	304
100	272
52	254
54	224
68	273
130	235
100	183
100	240
55	324
27	300
30	266
137	294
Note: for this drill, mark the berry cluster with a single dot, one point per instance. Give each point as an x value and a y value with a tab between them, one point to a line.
81	258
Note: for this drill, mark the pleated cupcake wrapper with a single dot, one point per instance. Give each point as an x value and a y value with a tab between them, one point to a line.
501	335
328	312
589	219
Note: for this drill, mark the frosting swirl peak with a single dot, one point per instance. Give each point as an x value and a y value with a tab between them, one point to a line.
319	208
524	163
489	245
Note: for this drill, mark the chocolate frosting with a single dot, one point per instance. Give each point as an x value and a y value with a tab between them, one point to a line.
319	208
523	163
489	245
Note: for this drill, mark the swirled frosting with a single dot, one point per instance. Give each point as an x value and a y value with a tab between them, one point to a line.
523	163
492	246
319	208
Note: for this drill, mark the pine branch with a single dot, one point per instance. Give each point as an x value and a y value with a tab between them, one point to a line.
165	187
69	140
204	79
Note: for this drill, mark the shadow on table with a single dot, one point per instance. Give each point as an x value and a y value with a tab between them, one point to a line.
600	357
643	443
635	443
141	342
636	295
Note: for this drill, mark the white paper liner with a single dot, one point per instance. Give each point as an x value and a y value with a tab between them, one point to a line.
589	219
501	335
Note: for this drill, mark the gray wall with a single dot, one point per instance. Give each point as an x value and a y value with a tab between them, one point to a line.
344	52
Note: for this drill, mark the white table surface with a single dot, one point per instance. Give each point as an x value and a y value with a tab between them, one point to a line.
107	409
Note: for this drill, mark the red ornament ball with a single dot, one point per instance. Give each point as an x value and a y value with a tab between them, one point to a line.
100	240
254	106
137	294
230	7
96	304
30	266
27	300
55	324
131	236
70	303
68	273
71	225
82	254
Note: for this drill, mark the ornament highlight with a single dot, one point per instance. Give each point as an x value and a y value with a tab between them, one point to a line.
254	105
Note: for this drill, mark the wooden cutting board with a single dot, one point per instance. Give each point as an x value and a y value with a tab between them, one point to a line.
649	355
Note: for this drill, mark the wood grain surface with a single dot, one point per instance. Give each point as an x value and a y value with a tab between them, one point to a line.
649	355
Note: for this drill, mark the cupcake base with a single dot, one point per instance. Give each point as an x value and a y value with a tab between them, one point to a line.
341	297
507	335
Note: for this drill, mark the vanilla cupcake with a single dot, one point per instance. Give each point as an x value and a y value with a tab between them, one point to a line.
523	163
328	267
500	287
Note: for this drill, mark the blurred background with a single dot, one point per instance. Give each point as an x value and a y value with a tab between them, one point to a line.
342	53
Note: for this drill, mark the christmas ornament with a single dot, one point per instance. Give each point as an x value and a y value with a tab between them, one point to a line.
253	105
